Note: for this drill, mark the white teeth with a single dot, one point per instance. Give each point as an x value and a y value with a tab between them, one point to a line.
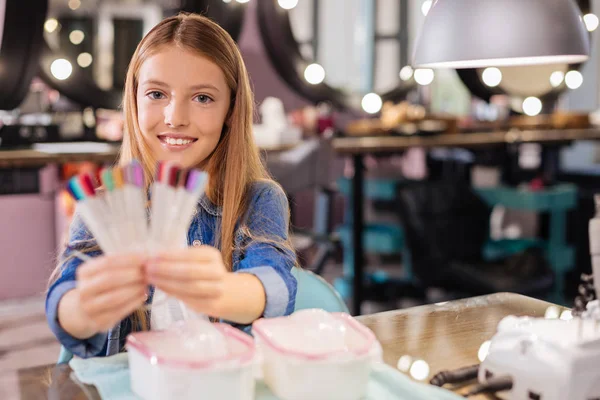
177	142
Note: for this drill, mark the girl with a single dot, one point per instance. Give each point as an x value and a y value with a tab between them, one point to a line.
187	99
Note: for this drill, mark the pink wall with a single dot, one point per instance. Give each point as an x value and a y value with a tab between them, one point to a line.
28	239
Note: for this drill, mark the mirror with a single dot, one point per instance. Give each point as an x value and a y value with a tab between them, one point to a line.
89	43
20	43
360	65
355	58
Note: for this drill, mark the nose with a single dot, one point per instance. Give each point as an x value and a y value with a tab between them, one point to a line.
176	113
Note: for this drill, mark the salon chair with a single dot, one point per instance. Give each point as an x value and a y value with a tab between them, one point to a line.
446	226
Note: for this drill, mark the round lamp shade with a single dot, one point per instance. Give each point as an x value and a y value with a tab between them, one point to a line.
482	33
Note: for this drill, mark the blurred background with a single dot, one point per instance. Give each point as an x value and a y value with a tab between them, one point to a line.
454	183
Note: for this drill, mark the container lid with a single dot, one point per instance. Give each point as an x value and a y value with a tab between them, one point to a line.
194	344
315	334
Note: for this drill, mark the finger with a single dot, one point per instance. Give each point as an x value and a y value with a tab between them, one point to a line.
201	253
110	318
198	289
113	299
115	262
183	270
109	280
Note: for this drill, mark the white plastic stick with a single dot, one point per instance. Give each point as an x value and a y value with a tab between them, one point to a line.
186	213
89	213
172	225
157	209
115	209
135	216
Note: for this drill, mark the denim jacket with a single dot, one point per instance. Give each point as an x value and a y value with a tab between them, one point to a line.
270	262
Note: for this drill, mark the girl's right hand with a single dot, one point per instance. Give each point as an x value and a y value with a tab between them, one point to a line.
110	288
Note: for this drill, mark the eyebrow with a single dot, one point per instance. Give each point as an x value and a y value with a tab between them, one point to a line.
195	87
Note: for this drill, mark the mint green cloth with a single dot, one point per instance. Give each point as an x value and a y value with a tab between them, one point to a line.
110	376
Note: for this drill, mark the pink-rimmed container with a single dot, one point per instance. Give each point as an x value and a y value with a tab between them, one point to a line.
301	359
160	372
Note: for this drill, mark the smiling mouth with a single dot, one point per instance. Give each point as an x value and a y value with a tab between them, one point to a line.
174	142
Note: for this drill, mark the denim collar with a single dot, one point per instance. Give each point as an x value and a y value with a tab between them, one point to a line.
209	207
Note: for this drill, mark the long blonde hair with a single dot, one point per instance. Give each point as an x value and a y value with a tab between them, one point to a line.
235	163
229	180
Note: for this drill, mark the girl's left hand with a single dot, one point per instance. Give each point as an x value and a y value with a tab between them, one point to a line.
194	275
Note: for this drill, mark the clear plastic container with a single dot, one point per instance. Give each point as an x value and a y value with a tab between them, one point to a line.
192	360
316	355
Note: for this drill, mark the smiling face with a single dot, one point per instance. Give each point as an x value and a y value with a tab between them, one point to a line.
182	102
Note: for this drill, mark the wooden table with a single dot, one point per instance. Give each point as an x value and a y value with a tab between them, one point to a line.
445	336
358	147
29	158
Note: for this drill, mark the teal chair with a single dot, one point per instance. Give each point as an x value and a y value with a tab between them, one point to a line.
64	356
313	292
316	292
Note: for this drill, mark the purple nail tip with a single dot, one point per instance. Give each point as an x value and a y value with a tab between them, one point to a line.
196	179
139	175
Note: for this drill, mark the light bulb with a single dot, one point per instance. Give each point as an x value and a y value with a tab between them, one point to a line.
50	25
574	79
419	370
287	4
424	76
557	78
406	72
492	76
242	1
314	74
371	103
591	22
404	363
532	106
61	69
76	36
74	4
84	60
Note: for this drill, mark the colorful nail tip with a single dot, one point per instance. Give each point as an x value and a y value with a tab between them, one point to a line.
159	171
87	184
118	177
131	175
71	192
138	175
182	178
173	175
106	177
196	179
75	188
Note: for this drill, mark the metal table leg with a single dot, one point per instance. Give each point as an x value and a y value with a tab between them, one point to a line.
357	233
